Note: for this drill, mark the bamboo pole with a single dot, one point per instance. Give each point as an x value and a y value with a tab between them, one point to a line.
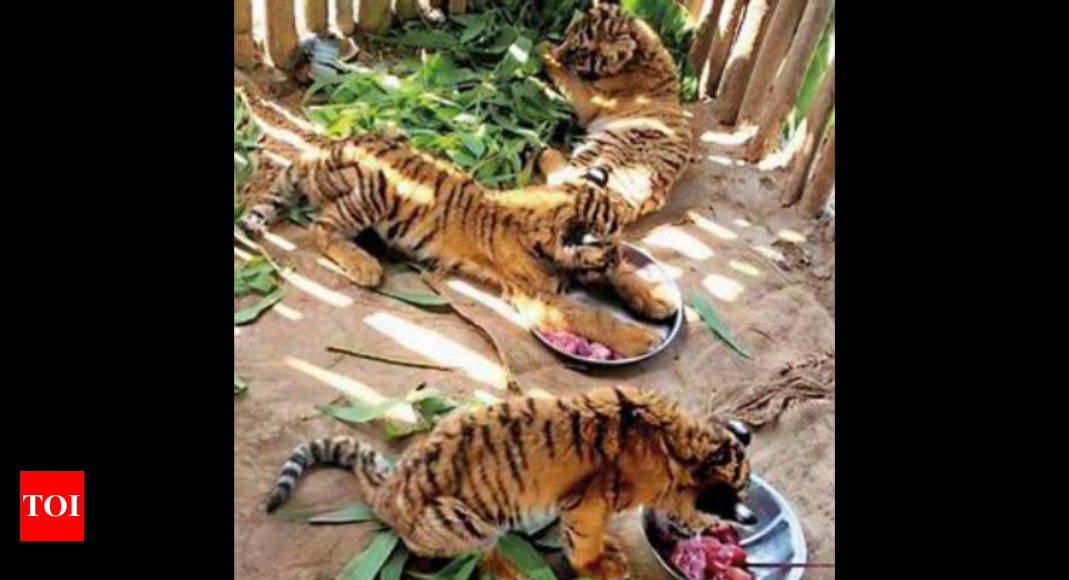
704	36
315	17
740	65
343	16
281	33
726	28
815	123
777	41
406	9
694	8
244	47
785	89
374	16
819	185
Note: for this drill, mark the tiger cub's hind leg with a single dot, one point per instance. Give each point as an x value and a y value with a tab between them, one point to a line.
585	515
335	241
448	527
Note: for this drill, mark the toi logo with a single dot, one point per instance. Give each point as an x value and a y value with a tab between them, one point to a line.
60	495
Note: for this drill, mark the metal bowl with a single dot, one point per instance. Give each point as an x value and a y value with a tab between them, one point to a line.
669	329
777	536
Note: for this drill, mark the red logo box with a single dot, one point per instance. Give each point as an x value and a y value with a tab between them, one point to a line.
52	483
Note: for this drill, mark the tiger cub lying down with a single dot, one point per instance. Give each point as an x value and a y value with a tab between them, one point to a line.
583	457
623	83
528	242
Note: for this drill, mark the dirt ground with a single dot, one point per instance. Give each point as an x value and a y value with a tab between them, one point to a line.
771	276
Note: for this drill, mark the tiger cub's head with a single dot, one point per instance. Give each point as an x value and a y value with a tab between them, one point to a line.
599	44
722	474
586	234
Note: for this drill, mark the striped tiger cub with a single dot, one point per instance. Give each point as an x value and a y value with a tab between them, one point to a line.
528	242
623	83
583	457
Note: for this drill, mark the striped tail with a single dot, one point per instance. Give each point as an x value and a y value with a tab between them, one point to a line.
366	463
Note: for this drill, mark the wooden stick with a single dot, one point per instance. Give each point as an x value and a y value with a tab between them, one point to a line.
281	33
244	47
820	183
726	28
704	36
777	40
343	16
815	123
374	16
315	17
740	66
785	89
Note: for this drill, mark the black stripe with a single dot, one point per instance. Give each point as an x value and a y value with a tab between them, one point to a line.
530	411
516	431
432	457
547	430
514	467
470	527
627	418
577	432
598	448
290	471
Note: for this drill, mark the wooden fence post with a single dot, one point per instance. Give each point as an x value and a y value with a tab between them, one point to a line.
704	36
820	183
343	15
726	28
816	121
244	47
374	16
406	9
769	57
281	33
740	64
315	17
785	89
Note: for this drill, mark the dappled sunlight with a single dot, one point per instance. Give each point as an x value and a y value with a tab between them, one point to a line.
317	290
726	161
729	138
770	253
492	302
673	272
675	239
279	242
791	236
745	268
713	228
537	393
351	388
743	223
723	288
439	349
288	313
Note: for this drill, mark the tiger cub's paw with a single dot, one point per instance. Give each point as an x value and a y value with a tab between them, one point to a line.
253	224
610	565
643	291
630	340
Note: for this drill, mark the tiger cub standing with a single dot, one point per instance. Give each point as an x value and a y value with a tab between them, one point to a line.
527	242
583	457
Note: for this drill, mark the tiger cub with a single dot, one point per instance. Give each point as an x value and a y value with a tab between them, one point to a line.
623	83
583	457
526	242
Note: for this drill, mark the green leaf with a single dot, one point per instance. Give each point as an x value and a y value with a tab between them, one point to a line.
350	513
396	564
525	557
367	564
252	313
432	300
240	386
474	145
715	324
359	413
460	568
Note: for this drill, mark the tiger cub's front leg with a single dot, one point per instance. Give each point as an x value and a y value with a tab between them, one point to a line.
335	241
584	516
